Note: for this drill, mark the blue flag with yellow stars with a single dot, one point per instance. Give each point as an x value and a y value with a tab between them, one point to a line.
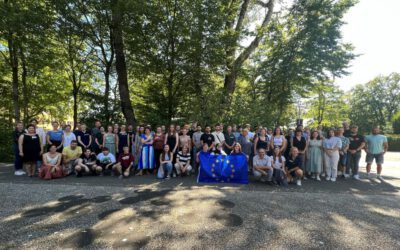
223	168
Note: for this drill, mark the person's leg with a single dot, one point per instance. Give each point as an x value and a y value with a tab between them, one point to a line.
257	175
117	168
270	174
189	170
33	168
334	165
178	168
169	169
379	163
327	166
369	158
18	160
357	157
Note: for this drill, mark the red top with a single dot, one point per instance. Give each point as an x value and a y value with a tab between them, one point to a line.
125	159
158	142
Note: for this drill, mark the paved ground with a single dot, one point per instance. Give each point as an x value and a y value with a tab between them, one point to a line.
141	212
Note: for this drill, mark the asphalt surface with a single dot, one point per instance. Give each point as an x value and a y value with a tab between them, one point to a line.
144	213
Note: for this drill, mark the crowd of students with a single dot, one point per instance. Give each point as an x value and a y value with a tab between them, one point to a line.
169	152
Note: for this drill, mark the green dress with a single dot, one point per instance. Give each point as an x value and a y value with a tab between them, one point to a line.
314	163
110	143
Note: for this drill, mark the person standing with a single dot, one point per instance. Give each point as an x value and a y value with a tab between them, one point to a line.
278	140
376	146
196	142
314	159
357	143
184	140
84	138
55	137
218	135
332	145
342	152
68	136
95	133
208	138
123	140
18	131
110	141
30	149
138	144
146	161
158	144
230	140
261	141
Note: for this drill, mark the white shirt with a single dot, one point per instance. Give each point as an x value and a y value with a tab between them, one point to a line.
277	164
68	139
219	137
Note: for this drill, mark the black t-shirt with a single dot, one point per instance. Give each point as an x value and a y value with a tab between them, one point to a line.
300	145
207	138
293	163
355	141
91	159
85	136
16	135
190	133
347	133
229	138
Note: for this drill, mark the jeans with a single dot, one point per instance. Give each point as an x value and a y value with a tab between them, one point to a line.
258	174
164	168
331	163
353	161
18	158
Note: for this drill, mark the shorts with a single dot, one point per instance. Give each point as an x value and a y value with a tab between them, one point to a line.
378	158
343	159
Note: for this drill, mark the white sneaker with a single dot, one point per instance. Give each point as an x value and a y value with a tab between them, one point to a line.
323	175
356	177
346	176
339	173
379	177
298	182
312	176
173	175
328	178
18	173
333	179
318	179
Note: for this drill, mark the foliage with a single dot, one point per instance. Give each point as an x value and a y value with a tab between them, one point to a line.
396	123
394	143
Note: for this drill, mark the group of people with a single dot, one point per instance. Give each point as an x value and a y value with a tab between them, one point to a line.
174	151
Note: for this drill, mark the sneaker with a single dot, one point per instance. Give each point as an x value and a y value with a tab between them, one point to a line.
346	176
304	178
167	178
298	183
379	177
339	173
323	175
328	178
333	179
174	175
18	173
318	179
22	171
356	177
312	176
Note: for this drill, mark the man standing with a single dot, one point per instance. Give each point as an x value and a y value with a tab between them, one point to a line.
376	146
357	143
208	138
230	140
218	135
262	166
196	142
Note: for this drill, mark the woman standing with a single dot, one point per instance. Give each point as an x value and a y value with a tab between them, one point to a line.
123	139
332	145
314	156
19	130
172	139
68	136
110	140
261	141
158	145
278	140
147	155
30	149
51	168
138	144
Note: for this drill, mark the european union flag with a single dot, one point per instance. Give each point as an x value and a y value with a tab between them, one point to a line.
223	168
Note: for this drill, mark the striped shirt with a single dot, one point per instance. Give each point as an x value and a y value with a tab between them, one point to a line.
183	158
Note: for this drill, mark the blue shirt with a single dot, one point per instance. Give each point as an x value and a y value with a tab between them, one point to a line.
375	143
55	135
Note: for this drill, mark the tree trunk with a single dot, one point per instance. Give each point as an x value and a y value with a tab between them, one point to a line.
107	94
15	83
75	109
25	97
120	65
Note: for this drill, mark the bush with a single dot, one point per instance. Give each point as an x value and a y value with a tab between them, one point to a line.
396	123
394	143
6	145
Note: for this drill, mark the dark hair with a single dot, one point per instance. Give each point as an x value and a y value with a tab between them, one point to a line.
34	120
30	125
67	126
329	130
276	129
105	149
318	137
74	141
298	130
279	156
88	149
163	152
